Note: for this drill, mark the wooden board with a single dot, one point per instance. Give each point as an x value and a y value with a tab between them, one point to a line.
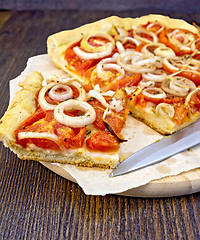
182	184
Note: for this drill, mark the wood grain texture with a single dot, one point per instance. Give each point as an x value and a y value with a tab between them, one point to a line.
186	6
35	203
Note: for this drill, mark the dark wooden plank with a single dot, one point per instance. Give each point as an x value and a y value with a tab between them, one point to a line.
35	203
185	6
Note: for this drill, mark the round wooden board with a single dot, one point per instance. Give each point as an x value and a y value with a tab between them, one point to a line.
182	184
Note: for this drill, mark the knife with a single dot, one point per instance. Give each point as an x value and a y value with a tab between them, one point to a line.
160	150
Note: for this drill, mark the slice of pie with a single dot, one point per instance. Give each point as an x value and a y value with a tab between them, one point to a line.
154	59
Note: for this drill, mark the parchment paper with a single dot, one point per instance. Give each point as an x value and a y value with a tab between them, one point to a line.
95	181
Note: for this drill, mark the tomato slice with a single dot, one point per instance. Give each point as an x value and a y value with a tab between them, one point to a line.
194	102
113	83
163	38
155	26
44	122
102	141
180	114
143	99
116	120
192	75
79	64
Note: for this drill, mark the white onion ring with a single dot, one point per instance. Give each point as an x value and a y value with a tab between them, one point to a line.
164	51
159	50
97	49
136	62
99	97
114	104
184	62
120	47
188	39
145	48
159	93
169	64
142	39
87	55
107	64
41	97
132	40
193	64
157	76
104	73
79	121
130	89
178	86
93	52
45	135
146	83
61	96
66	82
75	83
155	23
165	109
122	33
179	83
187	100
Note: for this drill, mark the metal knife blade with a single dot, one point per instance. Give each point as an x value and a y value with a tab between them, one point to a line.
160	150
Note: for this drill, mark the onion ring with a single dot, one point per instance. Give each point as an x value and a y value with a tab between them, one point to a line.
151	25
157	76
87	55
136	62
182	40
165	109
61	96
146	83
103	46
41	97
79	121
87	51
143	39
178	86
132	40
157	92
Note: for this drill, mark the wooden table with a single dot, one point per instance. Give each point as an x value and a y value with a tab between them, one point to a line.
35	203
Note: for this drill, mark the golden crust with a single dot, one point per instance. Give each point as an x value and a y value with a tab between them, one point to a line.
76	158
58	43
24	104
162	124
21	107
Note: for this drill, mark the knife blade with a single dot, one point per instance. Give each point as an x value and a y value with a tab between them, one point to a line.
160	150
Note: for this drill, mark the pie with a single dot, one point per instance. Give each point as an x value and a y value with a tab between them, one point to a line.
148	67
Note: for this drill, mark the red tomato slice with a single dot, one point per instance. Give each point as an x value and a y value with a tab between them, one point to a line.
126	81
114	83
116	119
180	114
43	121
163	38
102	141
155	27
142	100
194	102
194	76
79	64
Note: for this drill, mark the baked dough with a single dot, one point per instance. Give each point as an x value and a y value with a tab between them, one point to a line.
21	107
24	104
58	43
